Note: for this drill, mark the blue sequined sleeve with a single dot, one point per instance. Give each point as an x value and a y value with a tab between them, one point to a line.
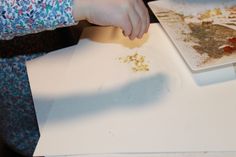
20	17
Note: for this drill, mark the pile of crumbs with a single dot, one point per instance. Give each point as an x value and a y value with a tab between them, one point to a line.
137	61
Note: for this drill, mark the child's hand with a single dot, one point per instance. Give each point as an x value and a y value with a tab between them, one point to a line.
130	15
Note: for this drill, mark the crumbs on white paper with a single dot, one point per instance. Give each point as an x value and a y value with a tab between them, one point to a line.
137	62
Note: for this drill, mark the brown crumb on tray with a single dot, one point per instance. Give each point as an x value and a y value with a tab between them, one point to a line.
212	38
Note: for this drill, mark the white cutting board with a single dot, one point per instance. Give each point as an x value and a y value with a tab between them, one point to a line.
106	108
46	76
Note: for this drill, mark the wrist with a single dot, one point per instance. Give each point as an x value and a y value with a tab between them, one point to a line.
79	10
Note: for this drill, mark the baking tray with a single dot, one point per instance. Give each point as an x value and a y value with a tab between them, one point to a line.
204	32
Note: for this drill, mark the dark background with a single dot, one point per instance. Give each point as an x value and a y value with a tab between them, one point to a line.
43	42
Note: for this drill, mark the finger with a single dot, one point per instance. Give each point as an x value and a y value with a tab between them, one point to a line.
142	12
148	22
146	14
135	21
126	25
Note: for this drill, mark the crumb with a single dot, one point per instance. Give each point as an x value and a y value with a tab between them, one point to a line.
137	61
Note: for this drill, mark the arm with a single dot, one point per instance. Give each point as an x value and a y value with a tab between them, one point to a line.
20	17
130	15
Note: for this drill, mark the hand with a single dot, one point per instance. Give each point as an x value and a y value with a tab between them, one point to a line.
130	15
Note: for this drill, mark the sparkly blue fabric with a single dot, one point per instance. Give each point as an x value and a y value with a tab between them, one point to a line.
19	128
20	17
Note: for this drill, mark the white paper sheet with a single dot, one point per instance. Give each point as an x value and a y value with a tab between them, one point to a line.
46	80
105	108
193	154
